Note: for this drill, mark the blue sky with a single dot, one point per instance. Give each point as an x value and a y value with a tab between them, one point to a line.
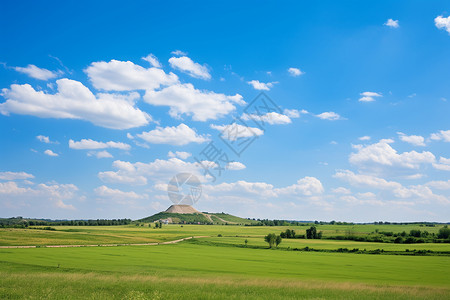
102	104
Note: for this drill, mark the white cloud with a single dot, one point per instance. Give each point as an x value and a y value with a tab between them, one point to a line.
440	185
201	105
369	96
415	140
306	186
443	165
153	60
361	180
14	175
179	154
392	23
179	53
180	135
44	139
382	154
364	138
235	131
37	73
270	118
75	101
159	170
193	69
48	194
235	166
295	72
88	144
341	190
329	115
441	135
50	153
127	76
442	23
261	85
100	154
117	195
294	113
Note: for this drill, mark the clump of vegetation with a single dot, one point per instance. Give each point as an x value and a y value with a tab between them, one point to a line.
273	239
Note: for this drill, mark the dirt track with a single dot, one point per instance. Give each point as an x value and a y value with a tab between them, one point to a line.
104	245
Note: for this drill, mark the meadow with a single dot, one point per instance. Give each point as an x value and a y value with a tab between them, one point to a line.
212	267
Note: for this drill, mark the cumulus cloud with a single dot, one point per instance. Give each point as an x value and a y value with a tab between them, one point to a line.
415	140
235	131
127	76
50	153
88	144
270	118
45	139
139	173
442	23
235	166
443	165
153	60
117	195
100	154
201	105
75	101
15	175
179	53
392	23
295	72
49	195
179	154
193	69
257	85
442	135
341	190
369	96
439	184
382	154
294	113
37	73
364	138
329	115
178	136
362	180
306	186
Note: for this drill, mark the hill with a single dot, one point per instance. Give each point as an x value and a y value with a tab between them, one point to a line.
186	214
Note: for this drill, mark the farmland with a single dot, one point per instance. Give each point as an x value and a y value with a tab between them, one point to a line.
214	267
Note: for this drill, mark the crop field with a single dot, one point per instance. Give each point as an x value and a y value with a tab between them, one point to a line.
213	267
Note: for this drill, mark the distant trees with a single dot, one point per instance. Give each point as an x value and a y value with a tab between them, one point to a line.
444	232
273	239
312	233
288	234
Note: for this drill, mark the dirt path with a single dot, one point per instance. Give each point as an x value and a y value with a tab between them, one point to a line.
105	245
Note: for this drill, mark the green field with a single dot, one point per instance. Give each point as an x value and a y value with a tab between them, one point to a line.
213	267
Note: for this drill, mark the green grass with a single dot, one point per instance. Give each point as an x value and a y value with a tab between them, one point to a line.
198	271
326	244
215	267
86	235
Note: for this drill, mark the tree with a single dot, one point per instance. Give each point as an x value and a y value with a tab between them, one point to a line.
278	240
246	242
444	232
270	239
311	233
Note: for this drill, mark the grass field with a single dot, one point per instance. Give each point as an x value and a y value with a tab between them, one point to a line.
86	235
213	267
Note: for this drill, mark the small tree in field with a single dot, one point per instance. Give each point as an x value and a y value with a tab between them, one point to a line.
246	242
278	240
270	239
